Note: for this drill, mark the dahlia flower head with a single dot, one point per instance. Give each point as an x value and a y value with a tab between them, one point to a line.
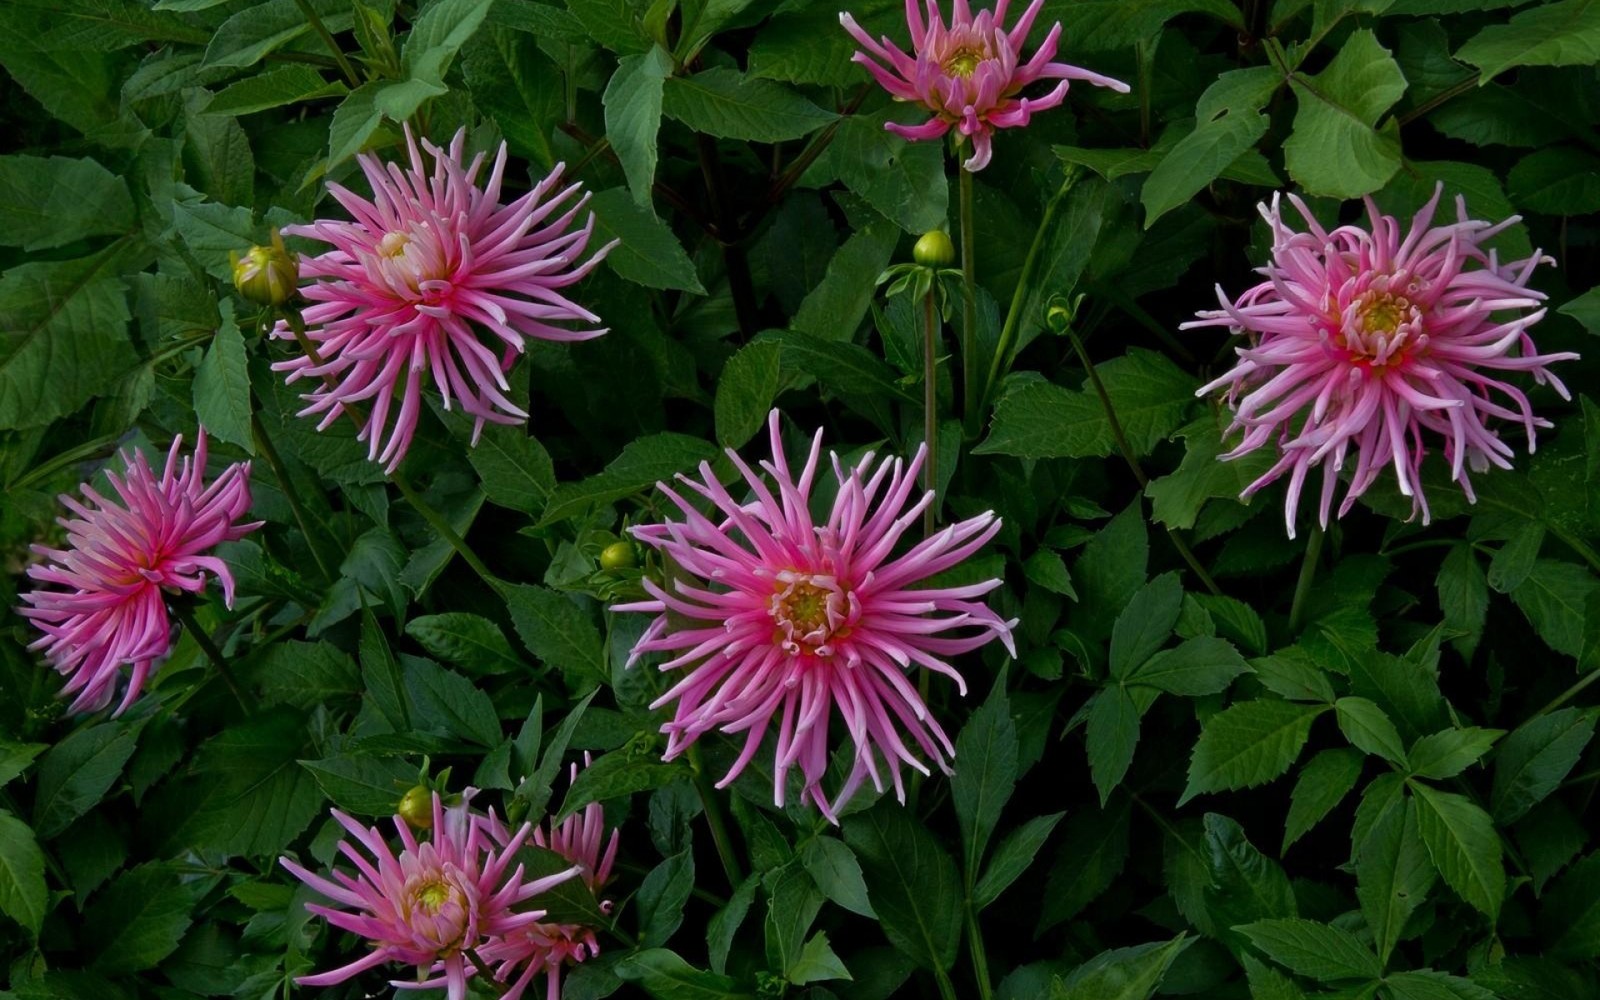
970	74
1366	343
101	603
773	617
547	946
432	903
435	279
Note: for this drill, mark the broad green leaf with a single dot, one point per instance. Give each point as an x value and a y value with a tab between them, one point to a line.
1534	760
516	84
1200	666
1111	735
15	758
1569	919
513	468
222	388
1463	595
986	774
470	641
50	202
1248	744
212	231
1317	951
76	772
260	29
23	896
848	369
448	703
643	463
139	919
615	24
107	25
1560	180
1366	726
633	116
366	786
1103	25
291	84
1015	853
1294	674
1552	597
1123	974
1243	884
1267	983
1235	620
1042	420
816	963
662	896
793	903
668	977
903	180
1145	624
1323	783
1335	149
557	631
648	253
745	390
1462	842
306	674
1229	122
1566	33
618	774
1430	985
1446	754
833	310
1177	498
1393	876
441	28
837	873
1513	562
1093	852
729	105
723	927
1110	570
911	881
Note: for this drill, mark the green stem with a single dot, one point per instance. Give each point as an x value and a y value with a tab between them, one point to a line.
447	532
930	411
947	989
714	818
296	507
1121	439
1577	545
321	29
1019	296
1308	574
980	959
48	468
487	973
185	615
1579	686
969	305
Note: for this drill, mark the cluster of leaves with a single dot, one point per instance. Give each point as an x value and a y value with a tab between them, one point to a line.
1365	773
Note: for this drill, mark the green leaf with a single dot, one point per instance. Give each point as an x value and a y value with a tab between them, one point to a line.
1462	842
1366	726
666	976
911	881
516	84
77	772
1267	983
903	180
1515	559
291	84
438	33
1244	884
1393	876
792	905
1569	920
648	253
23	896
1111	735
1335	150
615	775
848	369
1536	758
724	926
1248	744
986	774
1463	595
1446	754
1229	123
366	786
62	338
615	24
1294	674
557	631
1123	974
1110	571
1552	598
470	641
815	963
1431	985
1560	180
1566	33
729	105
1201	666
1093	852
1039	420
633	116
1015	853
836	872
643	463
1323	783
15	758
260	29
745	390
222	388
1176	499
1145	624
449	703
513	468
306	674
139	919
833	310
1104	25
535	788
47	203
1317	951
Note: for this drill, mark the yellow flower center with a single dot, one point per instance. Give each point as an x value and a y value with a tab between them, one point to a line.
963	62
431	895
394	244
1382	328
808	612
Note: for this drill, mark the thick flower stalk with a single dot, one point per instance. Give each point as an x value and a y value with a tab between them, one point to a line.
773	617
971	73
102	600
1370	341
436	279
547	946
434	903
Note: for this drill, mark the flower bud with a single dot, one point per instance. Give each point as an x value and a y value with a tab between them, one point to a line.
266	275
934	249
416	807
618	555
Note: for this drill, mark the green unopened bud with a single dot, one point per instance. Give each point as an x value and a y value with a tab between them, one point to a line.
934	249
618	555
1060	312
416	807
266	275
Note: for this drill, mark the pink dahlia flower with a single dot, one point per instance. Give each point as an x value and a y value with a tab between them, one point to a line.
433	903
1365	340
969	74
787	619
546	947
122	559
436	278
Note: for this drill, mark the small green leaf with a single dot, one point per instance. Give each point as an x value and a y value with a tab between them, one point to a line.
1229	122
1144	625
448	703
291	84
1462	842
1569	920
1552	597
1536	758
1323	783
633	116
1123	974
1393	875
366	786
1366	726
1446	754
1463	595
668	977
1200	666
725	103
618	774
47	203
222	399
1317	951
77	772
911	881
139	919
1111	736
648	252
986	774
1093	852
745	390
643	463
23	896
837	873
470	641
1430	985
1334	149
1566	33
1015	853
1248	744
557	631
